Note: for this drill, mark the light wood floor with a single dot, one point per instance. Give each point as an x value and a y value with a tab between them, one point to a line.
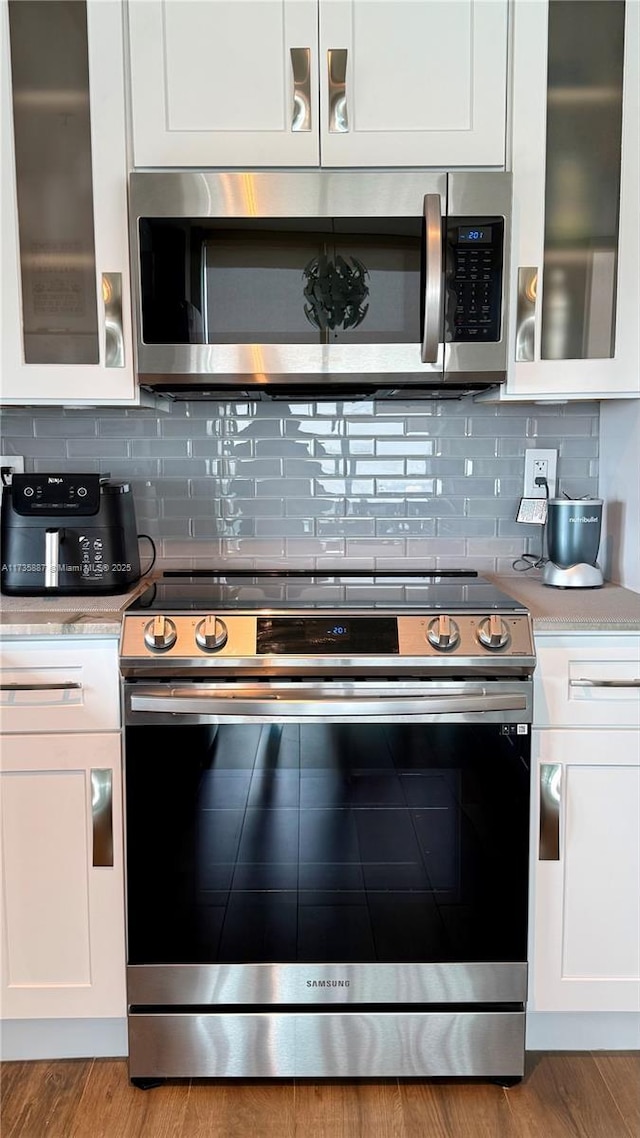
564	1095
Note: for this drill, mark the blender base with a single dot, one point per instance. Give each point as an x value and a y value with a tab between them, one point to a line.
582	576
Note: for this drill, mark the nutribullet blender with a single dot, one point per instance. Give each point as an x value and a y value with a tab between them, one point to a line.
573	537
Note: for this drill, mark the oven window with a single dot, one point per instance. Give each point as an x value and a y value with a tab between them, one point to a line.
280	281
327	842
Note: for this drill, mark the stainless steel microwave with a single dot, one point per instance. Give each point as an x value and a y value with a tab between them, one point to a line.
320	283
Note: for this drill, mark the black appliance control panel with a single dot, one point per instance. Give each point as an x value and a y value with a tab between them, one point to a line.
473	265
333	634
49	495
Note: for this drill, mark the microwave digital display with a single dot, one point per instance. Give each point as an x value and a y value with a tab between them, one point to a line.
477	235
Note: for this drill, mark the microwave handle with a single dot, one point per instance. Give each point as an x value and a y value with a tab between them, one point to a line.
432	278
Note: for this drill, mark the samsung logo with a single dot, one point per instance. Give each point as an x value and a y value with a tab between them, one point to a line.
584	518
328	983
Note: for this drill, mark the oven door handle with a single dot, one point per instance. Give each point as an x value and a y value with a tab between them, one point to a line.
244	703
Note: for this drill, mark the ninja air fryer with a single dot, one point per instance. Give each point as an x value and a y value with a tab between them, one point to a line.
68	534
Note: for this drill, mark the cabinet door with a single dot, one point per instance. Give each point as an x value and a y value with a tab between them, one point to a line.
575	126
63	951
65	297
242	82
224	82
586	877
413	82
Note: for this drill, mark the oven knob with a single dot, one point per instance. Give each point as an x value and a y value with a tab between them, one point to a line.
160	633
493	632
211	633
443	633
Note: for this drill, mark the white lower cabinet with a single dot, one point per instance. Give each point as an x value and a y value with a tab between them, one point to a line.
585	896
62	876
62	974
586	904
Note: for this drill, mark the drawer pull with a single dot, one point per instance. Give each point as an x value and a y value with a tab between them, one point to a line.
550	799
102	817
584	683
66	685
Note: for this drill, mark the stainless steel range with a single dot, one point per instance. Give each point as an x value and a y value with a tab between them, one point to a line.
327	815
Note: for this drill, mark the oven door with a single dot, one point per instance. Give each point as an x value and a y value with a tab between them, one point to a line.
319	842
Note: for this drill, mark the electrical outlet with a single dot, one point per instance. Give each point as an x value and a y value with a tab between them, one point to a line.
12	462
15	462
540	464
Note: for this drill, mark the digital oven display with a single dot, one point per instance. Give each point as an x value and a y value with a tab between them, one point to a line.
299	635
475	235
339	631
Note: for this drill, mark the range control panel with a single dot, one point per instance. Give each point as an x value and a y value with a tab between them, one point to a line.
473	266
289	642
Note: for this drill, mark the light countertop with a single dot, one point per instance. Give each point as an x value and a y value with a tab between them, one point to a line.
65	616
611	608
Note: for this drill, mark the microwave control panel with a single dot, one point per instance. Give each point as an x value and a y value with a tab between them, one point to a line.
473	267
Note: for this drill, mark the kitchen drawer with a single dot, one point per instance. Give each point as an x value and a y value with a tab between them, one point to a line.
70	685
587	680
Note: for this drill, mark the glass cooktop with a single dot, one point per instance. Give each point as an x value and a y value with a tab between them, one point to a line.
212	592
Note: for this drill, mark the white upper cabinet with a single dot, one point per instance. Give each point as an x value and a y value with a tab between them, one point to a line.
575	123
249	83
66	310
224	82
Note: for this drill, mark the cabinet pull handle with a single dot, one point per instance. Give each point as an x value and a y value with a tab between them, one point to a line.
301	68
526	314
432	278
102	817
550	799
66	685
584	683
338	112
113	333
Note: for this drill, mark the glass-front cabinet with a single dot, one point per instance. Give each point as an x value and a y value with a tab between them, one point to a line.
575	330
65	297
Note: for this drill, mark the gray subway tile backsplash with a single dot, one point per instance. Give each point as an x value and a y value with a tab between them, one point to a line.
48	427
88	447
386	485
